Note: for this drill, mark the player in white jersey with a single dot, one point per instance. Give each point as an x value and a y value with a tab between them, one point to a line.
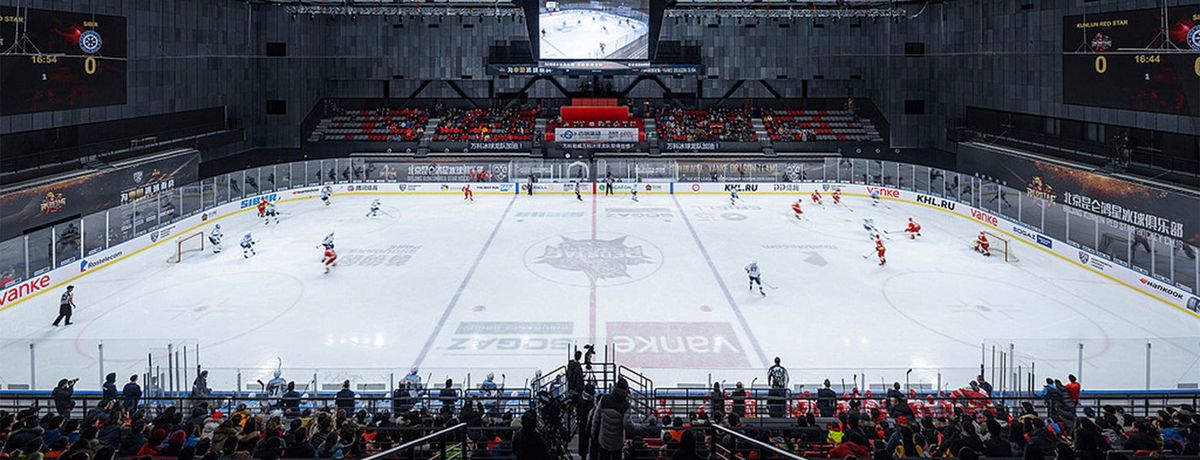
755	277
374	208
271	213
214	237
577	195
874	197
733	197
247	246
633	193
869	226
326	192
328	242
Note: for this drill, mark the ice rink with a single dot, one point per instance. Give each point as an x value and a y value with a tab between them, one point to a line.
578	34
509	283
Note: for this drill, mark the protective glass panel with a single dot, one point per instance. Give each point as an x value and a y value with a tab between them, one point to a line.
170	207
358	170
1114	241
1055	222
236	186
937	182
12	262
831	169
190	195
1081	231
1007	200
906	177
145	216
67	245
1031	211
1185	264
860	171
95	233
1162	252
208	194
921	179
812	171
120	224
874	172
38	246
1139	251
251	181
283	176
269	177
890	174
221	187
313	172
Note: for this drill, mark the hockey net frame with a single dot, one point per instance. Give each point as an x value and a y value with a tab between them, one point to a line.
1002	244
187	244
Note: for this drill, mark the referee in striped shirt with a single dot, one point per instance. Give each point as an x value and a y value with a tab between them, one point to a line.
65	306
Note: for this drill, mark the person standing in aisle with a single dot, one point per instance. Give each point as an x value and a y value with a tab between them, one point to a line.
65	306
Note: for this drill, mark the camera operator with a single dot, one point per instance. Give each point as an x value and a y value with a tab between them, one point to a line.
62	396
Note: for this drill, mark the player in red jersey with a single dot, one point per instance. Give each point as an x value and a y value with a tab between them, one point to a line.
262	208
330	258
880	250
913	229
467	193
837	196
816	197
982	244
796	209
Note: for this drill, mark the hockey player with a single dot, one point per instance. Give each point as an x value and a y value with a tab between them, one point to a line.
214	237
271	213
468	195
880	250
913	229
796	209
262	208
247	246
328	242
329	259
374	211
733	197
982	244
816	197
755	277
874	197
577	195
633	193
326	192
413	379
837	196
869	226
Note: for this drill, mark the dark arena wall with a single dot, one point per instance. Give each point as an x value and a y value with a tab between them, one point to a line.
190	54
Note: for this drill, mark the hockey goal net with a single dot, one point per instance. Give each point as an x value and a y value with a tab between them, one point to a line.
185	245
1000	246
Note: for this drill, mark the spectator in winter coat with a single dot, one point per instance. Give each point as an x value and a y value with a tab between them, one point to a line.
448	397
717	400
738	395
200	389
62	396
110	388
610	420
345	398
826	400
528	444
132	393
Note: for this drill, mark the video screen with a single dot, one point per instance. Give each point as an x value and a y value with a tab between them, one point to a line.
605	29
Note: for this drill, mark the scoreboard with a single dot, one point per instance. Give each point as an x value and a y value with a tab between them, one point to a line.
58	60
1128	60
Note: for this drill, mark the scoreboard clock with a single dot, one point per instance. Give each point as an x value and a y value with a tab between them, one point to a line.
1127	60
60	60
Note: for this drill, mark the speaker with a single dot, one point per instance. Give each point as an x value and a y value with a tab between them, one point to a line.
276	107
276	49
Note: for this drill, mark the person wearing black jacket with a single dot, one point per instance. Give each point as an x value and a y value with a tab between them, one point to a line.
345	398
583	409
402	400
738	395
132	394
575	376
62	397
291	400
110	388
448	397
717	400
528	444
827	400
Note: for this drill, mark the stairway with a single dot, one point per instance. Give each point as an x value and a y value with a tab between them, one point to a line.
318	133
764	139
650	125
431	127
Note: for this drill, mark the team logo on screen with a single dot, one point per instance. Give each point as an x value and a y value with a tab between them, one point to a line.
1039	190
1101	42
53	202
1193	38
90	41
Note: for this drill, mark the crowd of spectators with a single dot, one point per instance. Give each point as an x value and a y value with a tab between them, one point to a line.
607	425
486	125
395	125
708	125
557	122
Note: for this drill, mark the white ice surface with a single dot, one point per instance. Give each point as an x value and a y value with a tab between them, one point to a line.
577	34
496	285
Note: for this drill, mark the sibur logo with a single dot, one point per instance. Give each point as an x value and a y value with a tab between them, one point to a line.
945	204
985	217
249	202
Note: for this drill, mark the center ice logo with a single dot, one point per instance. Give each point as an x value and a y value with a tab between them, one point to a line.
603	261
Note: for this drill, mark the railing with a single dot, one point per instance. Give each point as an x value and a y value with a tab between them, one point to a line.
457	434
735	443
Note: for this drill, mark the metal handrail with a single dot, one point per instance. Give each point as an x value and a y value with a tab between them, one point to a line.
761	445
417	442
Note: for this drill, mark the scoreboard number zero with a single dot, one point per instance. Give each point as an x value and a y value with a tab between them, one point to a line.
89	65
1102	64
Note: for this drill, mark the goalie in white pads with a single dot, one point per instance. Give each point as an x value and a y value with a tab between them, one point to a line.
755	277
982	244
214	237
248	246
374	208
326	192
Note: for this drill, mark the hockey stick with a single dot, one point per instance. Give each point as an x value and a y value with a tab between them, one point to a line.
845	206
770	286
868	254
